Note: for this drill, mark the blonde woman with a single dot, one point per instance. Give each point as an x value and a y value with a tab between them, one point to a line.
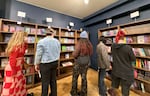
14	81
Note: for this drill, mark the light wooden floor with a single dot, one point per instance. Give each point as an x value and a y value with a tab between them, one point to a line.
64	85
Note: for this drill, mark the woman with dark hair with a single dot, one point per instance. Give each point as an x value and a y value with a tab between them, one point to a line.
103	64
82	54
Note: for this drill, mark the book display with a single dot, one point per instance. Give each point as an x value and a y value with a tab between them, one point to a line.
68	40
138	37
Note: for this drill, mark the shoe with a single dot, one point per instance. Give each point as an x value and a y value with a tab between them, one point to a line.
111	92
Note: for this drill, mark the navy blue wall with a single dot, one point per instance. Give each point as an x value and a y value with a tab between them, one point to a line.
119	12
38	15
2	8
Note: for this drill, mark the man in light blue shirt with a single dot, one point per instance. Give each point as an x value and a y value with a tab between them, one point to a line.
46	61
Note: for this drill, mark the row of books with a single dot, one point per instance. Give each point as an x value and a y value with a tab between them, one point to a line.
67	48
142	75
141	51
30	30
15	28
31	39
29	70
138	86
65	64
140	39
29	79
29	60
4	62
110	33
66	33
29	50
142	63
66	55
66	40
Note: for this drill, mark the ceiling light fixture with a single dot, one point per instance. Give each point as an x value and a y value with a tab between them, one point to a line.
86	1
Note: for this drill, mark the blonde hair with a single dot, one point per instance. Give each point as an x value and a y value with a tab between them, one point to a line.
16	40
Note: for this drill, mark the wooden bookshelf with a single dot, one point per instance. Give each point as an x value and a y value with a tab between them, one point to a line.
145	81
134	31
38	31
145	57
142	69
66	59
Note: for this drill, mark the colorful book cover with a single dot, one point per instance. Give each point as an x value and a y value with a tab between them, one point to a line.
33	30
147	52
141	51
12	28
7	38
63	48
4	62
27	29
19	28
147	38
140	39
5	28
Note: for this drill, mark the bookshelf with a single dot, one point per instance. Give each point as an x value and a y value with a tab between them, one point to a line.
36	32
137	36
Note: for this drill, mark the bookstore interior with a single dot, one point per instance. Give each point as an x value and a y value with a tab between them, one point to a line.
98	18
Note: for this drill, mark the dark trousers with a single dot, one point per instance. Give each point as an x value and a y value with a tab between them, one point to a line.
125	84
48	77
101	83
77	70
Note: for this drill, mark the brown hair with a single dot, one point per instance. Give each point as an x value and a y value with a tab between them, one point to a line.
86	47
50	31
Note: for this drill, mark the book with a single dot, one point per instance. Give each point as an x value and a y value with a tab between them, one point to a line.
140	39
27	29
5	27
7	38
147	51
33	30
141	51
67	64
66	56
4	62
63	48
136	51
12	28
146	38
19	28
143	88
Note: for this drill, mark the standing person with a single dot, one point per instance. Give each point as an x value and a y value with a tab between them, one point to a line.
46	61
103	64
82	54
122	69
14	81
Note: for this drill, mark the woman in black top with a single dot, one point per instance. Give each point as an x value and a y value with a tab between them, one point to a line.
122	69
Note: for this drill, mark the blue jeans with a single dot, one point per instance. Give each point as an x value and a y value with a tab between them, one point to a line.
101	83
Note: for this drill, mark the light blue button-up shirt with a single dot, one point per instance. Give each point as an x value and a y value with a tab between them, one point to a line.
48	50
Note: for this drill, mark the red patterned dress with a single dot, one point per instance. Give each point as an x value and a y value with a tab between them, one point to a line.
14	81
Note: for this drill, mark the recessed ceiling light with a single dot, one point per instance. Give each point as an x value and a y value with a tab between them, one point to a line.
86	1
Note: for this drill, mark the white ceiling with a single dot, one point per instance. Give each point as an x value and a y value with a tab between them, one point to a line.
75	8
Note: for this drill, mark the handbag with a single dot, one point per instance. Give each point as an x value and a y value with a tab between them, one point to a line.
83	60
